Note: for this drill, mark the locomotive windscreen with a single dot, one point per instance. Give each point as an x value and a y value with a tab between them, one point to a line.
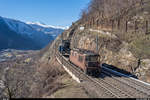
92	58
92	64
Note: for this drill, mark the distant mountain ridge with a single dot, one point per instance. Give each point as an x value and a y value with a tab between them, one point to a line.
15	34
47	29
47	26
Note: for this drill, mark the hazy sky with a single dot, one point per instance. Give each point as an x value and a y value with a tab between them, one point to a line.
52	12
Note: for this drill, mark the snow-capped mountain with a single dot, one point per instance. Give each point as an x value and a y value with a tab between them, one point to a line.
47	26
38	33
19	27
47	29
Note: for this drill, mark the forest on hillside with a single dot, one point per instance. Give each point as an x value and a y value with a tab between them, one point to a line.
102	12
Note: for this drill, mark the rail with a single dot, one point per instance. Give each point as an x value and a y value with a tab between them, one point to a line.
84	77
113	86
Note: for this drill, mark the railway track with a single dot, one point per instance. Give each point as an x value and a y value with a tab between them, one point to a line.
126	87
106	91
139	89
113	86
114	89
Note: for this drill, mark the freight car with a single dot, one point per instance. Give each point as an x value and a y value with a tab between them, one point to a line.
64	48
86	60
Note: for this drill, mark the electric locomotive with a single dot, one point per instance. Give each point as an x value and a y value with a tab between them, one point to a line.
87	61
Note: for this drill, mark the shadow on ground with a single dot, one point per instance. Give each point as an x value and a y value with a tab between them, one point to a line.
122	71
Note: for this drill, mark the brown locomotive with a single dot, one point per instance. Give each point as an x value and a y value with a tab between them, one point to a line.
86	60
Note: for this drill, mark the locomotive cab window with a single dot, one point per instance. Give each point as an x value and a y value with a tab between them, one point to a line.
80	58
92	58
72	53
75	54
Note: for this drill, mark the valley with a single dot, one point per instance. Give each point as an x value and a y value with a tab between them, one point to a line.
105	53
15	61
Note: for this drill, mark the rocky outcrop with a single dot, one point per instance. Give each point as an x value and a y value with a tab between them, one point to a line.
113	51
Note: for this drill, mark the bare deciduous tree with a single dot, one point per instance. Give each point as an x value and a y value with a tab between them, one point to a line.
106	9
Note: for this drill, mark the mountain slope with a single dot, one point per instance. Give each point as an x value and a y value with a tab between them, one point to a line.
122	42
15	34
47	29
10	39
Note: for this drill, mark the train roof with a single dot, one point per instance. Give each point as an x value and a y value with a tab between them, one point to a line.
65	40
85	52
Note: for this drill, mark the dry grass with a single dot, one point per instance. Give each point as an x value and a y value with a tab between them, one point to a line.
71	89
46	77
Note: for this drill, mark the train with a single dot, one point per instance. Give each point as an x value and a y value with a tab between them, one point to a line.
64	48
86	60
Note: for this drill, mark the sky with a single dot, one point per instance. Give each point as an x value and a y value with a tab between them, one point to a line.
50	12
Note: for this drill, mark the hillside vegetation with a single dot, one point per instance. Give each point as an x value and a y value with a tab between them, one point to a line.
117	29
120	31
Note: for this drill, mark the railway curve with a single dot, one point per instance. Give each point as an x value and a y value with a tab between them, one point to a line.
112	86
